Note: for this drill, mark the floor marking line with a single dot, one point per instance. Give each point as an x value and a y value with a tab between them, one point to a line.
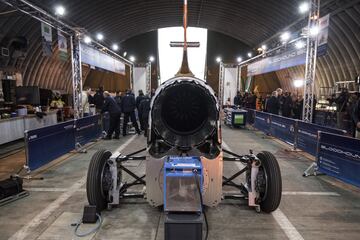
22	233
312	193
119	149
284	223
46	213
40	189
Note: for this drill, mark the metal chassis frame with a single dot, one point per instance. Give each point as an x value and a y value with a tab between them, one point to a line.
120	190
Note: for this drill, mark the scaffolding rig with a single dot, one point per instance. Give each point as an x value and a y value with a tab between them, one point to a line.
148	78
311	57
75	34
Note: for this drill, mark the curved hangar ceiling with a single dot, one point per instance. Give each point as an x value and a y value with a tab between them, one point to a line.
250	21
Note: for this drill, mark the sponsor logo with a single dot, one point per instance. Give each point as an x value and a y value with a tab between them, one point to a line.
339	151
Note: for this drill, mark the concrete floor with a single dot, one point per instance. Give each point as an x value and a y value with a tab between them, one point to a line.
311	208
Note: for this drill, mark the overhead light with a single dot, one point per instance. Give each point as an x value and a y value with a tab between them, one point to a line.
314	31
249	54
263	47
239	59
151	59
59	10
115	47
99	36
218	59
87	39
285	36
132	58
304	7
299	44
298	83
124	54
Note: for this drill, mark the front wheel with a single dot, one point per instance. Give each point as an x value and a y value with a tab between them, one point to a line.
99	180
269	182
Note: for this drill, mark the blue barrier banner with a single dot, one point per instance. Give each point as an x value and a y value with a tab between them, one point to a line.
48	143
250	116
87	129
339	156
262	122
307	136
283	128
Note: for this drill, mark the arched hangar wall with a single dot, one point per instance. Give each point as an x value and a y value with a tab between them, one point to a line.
341	63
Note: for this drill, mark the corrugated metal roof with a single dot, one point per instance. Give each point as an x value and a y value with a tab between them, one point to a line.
250	21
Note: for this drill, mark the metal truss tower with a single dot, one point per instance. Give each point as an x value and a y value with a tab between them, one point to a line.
148	78
75	35
311	57
221	83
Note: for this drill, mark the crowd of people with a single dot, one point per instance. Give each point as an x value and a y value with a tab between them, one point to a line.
290	106
279	103
117	105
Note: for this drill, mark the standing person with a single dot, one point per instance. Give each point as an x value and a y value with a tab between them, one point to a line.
99	99
138	100
112	107
298	107
287	105
253	101
268	96
128	105
280	97
273	104
238	99
145	109
85	101
118	99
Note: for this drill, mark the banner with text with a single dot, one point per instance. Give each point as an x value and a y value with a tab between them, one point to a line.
339	156
96	58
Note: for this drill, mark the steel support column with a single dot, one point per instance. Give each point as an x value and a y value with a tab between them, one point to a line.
76	75
221	84
311	57
148	78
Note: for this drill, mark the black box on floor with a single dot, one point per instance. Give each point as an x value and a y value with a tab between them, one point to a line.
180	226
89	215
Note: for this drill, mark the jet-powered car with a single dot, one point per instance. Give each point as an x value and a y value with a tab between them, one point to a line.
185	157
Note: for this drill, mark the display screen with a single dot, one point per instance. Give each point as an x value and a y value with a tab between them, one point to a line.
28	95
239	118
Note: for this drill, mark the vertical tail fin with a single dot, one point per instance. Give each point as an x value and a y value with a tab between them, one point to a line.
185	70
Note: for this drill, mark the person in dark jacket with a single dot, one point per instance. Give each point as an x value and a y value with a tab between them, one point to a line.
139	99
298	108
356	117
99	99
145	110
128	105
273	105
112	107
238	99
118	99
287	105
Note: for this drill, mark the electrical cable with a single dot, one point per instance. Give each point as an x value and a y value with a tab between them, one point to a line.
91	231
201	201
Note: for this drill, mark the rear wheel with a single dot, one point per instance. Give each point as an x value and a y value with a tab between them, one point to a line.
99	180
269	183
